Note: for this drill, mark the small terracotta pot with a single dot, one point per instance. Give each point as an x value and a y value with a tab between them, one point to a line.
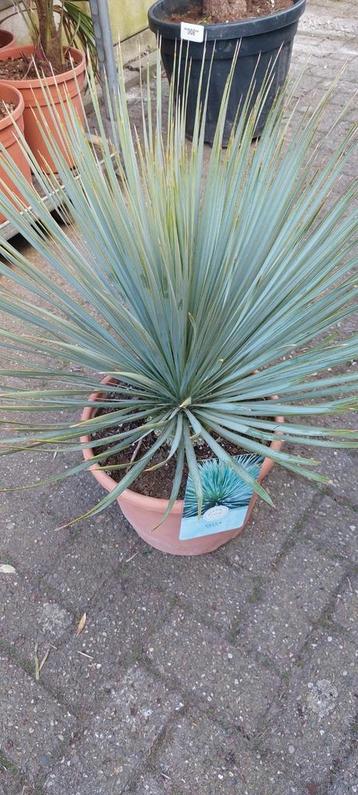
6	39
145	513
9	138
62	88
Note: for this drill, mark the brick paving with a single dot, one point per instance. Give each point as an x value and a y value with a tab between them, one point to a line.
233	674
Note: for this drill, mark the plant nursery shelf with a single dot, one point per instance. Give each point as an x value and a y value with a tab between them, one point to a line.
51	200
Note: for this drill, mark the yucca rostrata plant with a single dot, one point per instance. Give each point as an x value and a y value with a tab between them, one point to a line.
203	296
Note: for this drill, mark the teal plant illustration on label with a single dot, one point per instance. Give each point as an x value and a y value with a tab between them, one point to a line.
226	498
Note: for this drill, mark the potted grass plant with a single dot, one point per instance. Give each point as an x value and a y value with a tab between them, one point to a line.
46	68
179	326
257	34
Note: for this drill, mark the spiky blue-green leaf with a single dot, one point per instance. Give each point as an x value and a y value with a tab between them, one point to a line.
202	288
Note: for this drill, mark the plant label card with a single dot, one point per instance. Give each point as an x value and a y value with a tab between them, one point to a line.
191	32
226	498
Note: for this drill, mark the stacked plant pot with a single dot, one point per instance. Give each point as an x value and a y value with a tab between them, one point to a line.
33	105
38	111
11	127
11	101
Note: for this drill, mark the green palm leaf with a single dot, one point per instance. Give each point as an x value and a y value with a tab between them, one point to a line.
79	30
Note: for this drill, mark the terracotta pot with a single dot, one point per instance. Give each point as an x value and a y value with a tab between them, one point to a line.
6	39
144	513
9	138
63	87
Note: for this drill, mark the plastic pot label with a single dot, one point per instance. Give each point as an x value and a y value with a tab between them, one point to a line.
191	32
226	497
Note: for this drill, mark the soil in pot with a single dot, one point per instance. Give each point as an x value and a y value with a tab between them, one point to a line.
157	483
30	68
225	11
6	108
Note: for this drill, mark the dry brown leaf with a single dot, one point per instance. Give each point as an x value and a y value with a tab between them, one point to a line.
42	663
84	654
81	624
132	557
37	664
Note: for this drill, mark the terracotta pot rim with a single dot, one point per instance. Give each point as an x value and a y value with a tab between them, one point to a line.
11	53
152	504
19	109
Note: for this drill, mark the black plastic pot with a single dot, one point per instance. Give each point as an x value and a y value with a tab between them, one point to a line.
264	41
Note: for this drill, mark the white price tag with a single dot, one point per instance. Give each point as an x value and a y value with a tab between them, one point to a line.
191	32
